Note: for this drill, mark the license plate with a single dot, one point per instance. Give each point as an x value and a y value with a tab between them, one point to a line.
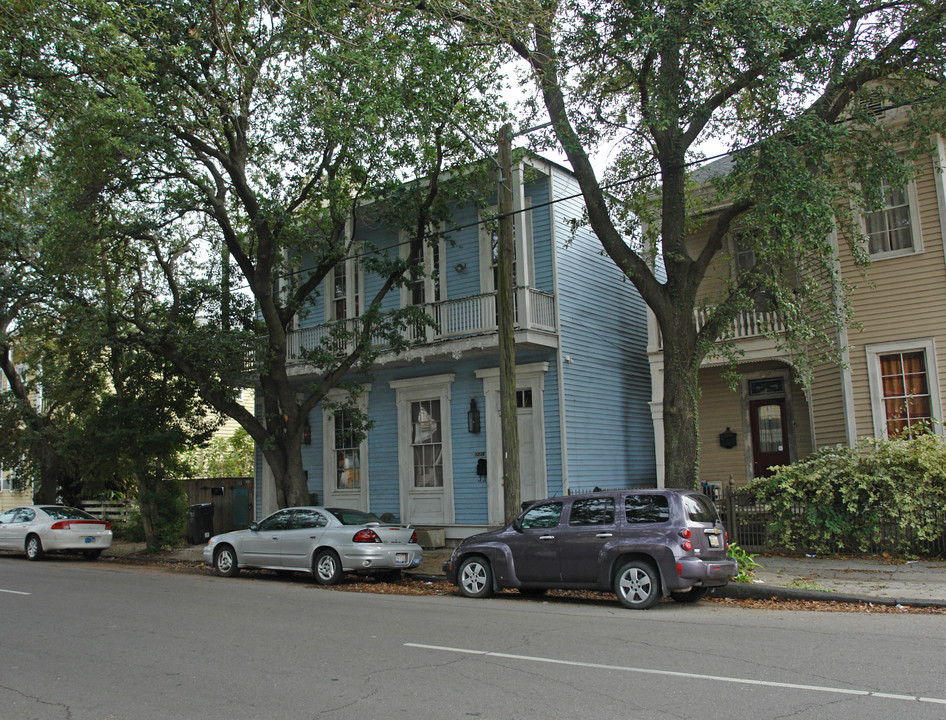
713	541
400	558
90	539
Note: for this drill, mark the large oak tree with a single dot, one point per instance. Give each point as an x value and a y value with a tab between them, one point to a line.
789	89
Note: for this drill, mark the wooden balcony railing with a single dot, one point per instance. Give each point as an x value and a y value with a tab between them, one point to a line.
462	317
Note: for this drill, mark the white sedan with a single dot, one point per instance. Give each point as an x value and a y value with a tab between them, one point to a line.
324	541
38	529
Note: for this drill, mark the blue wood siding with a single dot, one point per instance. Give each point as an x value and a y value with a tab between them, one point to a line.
606	375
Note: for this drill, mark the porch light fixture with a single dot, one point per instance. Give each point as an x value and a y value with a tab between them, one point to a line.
727	439
473	418
460	267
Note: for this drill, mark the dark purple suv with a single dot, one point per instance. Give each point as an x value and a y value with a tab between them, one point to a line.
642	544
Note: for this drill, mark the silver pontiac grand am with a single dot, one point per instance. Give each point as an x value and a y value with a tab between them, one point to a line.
324	541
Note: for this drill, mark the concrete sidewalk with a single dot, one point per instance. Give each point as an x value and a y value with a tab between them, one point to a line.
883	581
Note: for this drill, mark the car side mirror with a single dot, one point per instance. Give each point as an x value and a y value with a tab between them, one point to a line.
254	526
517	525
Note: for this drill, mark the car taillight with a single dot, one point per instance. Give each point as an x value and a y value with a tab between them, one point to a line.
366	536
686	534
687	545
413	537
61	525
108	525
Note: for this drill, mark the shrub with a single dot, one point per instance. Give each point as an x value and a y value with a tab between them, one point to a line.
884	494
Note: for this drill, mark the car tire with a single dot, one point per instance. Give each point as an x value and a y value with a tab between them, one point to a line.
475	577
91	554
34	547
327	568
225	561
637	585
694	594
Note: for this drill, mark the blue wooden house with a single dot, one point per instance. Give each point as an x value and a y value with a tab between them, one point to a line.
581	369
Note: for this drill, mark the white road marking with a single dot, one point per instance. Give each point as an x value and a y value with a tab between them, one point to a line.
14	592
672	673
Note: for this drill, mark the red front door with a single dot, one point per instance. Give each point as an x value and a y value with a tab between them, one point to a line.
769	435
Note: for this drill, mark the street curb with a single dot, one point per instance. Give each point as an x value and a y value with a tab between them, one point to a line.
757	591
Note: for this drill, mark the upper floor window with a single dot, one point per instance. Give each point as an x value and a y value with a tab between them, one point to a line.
894	229
428	286
344	300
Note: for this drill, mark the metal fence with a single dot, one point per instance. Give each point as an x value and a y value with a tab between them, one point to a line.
750	525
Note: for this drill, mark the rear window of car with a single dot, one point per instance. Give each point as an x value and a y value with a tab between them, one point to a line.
353	517
700	508
542	516
646	509
592	511
67	513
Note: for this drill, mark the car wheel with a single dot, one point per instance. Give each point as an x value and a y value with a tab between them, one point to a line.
692	595
327	568
475	578
225	561
91	554
34	547
637	585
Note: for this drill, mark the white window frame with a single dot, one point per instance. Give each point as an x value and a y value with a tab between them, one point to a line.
434	387
361	494
915	229
874	352
404	242
354	290
524	262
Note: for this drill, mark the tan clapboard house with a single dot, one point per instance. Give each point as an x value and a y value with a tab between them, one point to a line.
894	368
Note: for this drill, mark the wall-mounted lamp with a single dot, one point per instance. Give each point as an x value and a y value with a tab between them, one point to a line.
473	418
460	267
307	432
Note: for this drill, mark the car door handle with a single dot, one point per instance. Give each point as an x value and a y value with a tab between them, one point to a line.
605	535
546	537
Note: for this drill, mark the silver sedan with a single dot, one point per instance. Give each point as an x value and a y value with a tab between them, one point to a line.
38	529
324	541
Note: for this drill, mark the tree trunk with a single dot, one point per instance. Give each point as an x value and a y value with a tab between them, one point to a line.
681	400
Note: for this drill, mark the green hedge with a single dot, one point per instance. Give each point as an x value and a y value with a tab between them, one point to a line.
883	496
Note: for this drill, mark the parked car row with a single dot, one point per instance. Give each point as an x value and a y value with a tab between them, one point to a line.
641	544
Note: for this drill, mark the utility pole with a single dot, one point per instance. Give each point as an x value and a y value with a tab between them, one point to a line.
507	337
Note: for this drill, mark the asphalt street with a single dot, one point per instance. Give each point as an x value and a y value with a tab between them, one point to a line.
90	640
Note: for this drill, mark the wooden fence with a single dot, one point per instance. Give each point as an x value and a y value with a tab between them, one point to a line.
112	511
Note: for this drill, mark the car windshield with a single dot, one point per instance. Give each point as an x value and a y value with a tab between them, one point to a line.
347	516
700	508
66	513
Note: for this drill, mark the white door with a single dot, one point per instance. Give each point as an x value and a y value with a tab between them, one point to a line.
533	484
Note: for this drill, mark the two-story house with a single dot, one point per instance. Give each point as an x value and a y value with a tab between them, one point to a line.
894	361
434	454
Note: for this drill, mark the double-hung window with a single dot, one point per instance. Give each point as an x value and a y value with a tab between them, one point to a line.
894	229
904	387
344	296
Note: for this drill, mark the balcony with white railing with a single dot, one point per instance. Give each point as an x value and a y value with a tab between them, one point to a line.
457	319
750	330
